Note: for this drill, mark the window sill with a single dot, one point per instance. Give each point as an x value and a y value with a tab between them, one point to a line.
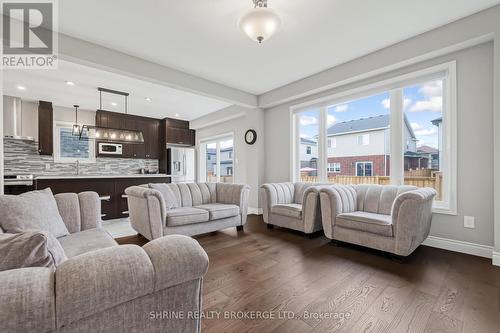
443	210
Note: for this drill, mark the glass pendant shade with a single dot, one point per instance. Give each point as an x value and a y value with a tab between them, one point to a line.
111	134
260	23
76	130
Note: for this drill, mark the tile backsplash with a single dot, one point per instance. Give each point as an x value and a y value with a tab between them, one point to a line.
21	157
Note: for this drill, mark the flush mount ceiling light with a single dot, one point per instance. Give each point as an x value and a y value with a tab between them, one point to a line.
260	23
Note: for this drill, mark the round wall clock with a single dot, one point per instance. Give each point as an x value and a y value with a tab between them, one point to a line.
250	136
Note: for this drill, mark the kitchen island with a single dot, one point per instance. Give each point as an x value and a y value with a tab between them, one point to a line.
111	188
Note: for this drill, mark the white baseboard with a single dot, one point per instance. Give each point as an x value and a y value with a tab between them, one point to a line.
462	247
254	211
496	258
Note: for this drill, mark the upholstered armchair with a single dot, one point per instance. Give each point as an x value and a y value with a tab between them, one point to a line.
394	219
292	205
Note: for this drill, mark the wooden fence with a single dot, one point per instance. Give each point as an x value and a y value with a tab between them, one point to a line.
435	181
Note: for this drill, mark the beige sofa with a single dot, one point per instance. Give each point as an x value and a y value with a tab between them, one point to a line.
100	286
394	219
292	205
186	209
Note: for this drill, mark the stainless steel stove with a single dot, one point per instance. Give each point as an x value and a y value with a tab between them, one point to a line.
17	184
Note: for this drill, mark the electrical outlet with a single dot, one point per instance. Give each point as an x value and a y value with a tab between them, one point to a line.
47	166
469	222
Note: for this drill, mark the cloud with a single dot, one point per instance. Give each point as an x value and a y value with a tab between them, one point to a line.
304	136
331	120
308	120
426	132
433	104
416	126
342	108
432	89
386	103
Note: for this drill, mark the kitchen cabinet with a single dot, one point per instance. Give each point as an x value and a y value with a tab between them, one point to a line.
180	136
111	190
174	132
45	128
149	127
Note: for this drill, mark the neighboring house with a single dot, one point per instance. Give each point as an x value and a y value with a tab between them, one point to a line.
308	157
438	122
432	156
362	147
226	161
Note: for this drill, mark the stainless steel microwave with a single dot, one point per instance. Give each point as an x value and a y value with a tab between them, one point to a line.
110	148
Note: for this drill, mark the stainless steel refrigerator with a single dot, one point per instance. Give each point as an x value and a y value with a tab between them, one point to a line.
182	164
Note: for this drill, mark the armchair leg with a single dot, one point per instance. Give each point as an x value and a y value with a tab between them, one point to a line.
398	259
239	228
270	226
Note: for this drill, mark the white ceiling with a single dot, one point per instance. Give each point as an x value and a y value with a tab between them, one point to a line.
50	85
201	37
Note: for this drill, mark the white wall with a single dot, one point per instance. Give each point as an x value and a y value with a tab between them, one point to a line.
85	117
249	159
475	142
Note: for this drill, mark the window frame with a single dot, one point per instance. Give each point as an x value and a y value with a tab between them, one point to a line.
202	153
336	167
394	85
57	146
364	169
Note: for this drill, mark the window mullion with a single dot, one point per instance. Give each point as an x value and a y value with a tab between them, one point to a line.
322	146
396	137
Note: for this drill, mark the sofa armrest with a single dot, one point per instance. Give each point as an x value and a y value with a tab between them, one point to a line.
335	200
272	194
235	194
411	218
176	259
147	211
311	209
27	301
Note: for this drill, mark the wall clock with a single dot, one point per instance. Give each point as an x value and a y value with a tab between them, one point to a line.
250	136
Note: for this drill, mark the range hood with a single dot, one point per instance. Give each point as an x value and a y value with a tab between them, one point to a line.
19	123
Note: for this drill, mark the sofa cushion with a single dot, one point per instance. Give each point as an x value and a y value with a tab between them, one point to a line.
36	210
186	215
290	210
168	195
86	241
220	211
364	221
30	249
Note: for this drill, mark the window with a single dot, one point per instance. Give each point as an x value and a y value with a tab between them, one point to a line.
364	169
398	131
216	156
69	148
334	167
364	140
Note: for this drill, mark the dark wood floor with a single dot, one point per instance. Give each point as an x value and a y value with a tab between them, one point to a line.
283	272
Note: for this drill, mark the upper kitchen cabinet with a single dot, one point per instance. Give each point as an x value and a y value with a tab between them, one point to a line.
148	126
45	128
177	132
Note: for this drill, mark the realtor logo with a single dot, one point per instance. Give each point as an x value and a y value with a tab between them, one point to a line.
29	38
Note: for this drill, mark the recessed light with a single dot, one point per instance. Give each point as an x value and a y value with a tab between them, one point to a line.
21	87
177	115
148	99
114	104
70	83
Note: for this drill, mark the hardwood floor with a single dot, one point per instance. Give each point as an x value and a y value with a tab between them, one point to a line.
301	281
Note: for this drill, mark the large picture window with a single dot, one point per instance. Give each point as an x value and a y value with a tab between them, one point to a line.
68	148
216	160
399	131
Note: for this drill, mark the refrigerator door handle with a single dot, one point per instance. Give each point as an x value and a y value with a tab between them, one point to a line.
184	171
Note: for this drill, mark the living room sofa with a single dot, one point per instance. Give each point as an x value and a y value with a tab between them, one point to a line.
292	205
96	285
189	209
394	219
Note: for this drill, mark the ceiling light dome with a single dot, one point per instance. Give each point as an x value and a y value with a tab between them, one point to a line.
260	23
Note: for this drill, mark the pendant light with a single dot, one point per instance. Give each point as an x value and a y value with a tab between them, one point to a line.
260	23
76	127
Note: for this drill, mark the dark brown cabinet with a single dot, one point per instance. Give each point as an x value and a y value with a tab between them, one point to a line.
111	190
149	127
45	128
174	132
180	136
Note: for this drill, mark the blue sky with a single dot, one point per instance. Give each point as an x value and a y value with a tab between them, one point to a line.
423	103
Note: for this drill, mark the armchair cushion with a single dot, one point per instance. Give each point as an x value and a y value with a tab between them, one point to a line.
364	221
220	211
186	215
290	210
36	210
85	241
30	249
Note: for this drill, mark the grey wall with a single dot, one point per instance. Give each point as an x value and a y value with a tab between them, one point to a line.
475	142
249	164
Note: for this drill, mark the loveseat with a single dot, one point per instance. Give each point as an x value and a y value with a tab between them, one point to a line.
85	282
394	219
189	209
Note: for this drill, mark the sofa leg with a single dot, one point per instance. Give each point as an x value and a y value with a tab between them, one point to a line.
398	259
270	226
239	228
335	243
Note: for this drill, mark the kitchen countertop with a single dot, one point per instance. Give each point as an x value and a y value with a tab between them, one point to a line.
157	175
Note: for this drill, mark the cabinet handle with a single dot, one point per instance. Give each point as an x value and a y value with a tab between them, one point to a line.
125	212
105	198
124	196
